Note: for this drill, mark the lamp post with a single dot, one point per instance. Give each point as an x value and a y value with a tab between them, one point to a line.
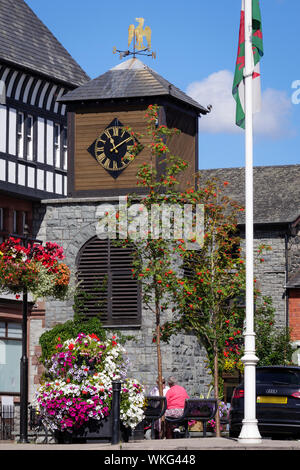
24	363
24	358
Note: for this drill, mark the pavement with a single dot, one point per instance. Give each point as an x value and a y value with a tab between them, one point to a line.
164	445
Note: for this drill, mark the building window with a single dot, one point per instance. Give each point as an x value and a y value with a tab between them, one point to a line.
15	222
23	221
20	218
107	287
65	148
29	137
20	135
1	224
57	145
10	354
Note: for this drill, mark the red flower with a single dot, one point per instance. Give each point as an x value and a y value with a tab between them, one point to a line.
71	346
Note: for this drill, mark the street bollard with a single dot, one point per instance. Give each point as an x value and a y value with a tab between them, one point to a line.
115	438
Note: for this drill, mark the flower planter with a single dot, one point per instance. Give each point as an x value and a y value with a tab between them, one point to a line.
136	434
81	391
94	431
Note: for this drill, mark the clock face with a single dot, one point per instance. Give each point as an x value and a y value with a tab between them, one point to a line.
111	148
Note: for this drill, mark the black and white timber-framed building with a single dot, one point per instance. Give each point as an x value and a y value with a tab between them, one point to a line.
35	70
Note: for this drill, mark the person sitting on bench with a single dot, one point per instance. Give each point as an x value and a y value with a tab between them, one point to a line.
176	397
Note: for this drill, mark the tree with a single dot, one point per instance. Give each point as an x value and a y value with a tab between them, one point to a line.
213	280
273	343
200	300
153	256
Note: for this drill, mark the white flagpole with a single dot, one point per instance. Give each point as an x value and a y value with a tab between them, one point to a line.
249	432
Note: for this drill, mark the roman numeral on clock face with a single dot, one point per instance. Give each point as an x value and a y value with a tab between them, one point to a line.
107	133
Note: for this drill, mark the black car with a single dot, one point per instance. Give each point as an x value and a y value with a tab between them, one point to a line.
277	403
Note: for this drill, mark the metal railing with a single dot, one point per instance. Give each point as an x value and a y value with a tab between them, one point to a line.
7	418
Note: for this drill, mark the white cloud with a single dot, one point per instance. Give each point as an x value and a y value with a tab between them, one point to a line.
272	121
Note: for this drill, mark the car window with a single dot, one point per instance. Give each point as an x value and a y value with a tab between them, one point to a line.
280	376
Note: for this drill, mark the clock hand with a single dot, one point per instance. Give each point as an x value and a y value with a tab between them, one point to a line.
113	144
123	142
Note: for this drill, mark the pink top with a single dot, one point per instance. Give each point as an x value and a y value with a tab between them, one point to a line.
176	397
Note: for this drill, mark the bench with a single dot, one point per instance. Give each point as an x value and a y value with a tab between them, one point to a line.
155	409
195	409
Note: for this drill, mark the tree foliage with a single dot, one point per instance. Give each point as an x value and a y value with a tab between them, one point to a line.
273	342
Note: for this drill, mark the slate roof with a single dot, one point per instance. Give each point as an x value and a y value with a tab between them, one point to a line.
129	79
28	43
276	191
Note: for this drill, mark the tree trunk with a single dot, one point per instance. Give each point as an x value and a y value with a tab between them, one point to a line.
159	360
158	332
216	390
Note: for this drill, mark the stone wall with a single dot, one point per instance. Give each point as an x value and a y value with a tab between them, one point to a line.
72	222
294	253
271	272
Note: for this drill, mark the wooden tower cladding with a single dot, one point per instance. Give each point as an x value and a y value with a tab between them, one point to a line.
122	95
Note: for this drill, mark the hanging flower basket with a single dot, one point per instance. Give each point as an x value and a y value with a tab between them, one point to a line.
77	394
36	268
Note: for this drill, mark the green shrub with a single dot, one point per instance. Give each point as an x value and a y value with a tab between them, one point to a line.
273	343
69	329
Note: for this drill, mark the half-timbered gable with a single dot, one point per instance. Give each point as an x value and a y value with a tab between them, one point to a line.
33	144
35	71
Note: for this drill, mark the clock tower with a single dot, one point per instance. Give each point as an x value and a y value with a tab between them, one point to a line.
101	111
106	118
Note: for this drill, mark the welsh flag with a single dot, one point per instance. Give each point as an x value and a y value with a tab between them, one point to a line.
238	89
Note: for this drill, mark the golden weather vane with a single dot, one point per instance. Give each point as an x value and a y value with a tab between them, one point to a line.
136	35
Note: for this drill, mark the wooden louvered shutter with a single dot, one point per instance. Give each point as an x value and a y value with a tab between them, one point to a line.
104	270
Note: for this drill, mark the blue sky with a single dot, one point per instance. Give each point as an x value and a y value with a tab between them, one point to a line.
196	46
